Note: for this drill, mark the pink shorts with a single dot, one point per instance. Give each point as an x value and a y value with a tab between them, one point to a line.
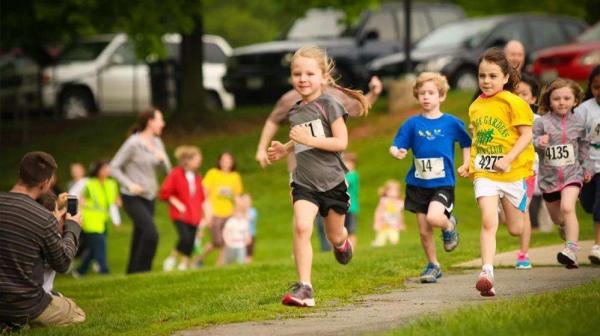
530	182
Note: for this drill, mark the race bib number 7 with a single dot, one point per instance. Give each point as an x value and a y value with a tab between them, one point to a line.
429	168
316	130
559	155
486	162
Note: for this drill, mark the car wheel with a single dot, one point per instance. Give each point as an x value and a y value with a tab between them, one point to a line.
466	79
213	102
76	103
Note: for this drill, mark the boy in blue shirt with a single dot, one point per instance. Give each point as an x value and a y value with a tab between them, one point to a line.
430	180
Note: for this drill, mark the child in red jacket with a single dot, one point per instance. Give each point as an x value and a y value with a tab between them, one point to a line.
183	190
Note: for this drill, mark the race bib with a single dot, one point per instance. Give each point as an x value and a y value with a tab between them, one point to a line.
316	130
429	168
559	155
486	162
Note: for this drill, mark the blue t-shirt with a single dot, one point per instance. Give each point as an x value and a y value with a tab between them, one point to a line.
432	143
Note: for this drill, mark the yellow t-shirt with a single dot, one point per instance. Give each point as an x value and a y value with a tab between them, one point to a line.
222	188
495	120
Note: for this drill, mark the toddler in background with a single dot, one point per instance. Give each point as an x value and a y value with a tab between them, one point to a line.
252	217
389	220
58	207
236	232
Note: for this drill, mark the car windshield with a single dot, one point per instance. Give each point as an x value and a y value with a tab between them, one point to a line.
455	34
82	52
591	35
318	23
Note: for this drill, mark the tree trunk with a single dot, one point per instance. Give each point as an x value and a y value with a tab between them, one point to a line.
192	111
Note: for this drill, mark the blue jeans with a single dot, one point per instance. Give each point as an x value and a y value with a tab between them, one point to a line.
320	221
96	250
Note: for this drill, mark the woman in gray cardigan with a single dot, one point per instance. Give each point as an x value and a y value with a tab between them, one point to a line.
135	166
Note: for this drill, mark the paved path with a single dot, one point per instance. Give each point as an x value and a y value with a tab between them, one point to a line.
540	256
386	311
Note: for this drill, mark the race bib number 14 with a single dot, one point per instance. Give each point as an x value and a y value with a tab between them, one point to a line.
429	168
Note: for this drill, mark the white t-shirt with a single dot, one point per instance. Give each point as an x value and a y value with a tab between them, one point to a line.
589	111
236	232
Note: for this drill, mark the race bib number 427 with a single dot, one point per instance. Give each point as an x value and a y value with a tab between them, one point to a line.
486	162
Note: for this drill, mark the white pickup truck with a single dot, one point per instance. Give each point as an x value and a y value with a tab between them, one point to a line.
102	75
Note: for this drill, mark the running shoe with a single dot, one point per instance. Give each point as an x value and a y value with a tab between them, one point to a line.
343	254
169	264
595	255
450	238
568	258
300	295
523	261
431	273
485	284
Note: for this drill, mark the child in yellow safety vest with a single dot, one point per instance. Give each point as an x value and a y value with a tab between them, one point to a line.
100	198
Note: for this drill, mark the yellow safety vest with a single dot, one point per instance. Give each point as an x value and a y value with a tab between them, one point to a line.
98	198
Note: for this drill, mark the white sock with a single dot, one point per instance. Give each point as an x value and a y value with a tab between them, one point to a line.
306	284
489	269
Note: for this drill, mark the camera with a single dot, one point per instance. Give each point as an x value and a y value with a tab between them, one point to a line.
72	204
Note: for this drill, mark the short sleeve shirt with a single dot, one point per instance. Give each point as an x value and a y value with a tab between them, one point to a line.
222	188
430	141
317	169
495	120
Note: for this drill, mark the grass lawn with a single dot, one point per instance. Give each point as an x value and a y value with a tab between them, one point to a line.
159	303
572	311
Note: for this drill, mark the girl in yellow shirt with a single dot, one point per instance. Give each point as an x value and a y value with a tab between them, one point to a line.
222	184
502	155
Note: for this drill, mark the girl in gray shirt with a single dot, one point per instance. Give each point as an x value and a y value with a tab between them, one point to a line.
135	166
318	138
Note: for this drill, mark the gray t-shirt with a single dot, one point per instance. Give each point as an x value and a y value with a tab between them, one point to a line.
318	169
136	163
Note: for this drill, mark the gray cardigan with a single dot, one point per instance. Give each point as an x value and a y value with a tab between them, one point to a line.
136	163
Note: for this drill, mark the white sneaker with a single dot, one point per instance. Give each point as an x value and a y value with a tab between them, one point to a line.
169	264
485	284
595	255
182	267
568	258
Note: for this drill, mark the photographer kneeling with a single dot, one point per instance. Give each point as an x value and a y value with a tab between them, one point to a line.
29	236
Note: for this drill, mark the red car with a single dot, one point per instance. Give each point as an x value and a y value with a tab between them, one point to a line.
575	60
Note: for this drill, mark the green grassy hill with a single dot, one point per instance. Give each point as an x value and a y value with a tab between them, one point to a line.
159	303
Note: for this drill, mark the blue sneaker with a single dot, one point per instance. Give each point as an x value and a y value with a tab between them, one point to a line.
450	238
523	261
431	273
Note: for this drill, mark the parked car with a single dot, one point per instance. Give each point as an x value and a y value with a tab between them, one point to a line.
102	74
574	60
261	71
454	49
19	84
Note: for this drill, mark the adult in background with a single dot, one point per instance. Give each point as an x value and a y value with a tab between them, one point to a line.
29	235
135	166
279	115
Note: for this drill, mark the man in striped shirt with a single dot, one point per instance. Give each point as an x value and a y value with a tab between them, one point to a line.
29	235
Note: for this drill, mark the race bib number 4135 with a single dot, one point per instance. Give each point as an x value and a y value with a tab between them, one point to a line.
559	155
429	168
486	162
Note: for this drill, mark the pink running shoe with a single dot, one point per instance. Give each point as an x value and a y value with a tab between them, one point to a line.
485	284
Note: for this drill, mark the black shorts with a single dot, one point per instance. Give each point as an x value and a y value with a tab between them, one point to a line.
418	198
555	195
336	198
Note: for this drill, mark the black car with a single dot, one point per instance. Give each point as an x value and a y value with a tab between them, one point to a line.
454	49
261	72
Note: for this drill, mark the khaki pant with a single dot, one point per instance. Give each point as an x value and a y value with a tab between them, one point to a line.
61	311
